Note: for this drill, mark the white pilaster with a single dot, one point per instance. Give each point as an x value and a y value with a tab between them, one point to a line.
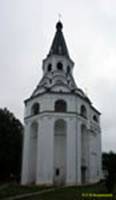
71	153
45	151
25	155
78	153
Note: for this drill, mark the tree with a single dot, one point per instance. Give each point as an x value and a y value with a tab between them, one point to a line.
11	132
109	165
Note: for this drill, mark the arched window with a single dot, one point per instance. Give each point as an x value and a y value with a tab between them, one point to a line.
84	151
34	129
49	68
83	111
60	106
35	109
59	156
33	152
60	127
68	69
95	118
59	66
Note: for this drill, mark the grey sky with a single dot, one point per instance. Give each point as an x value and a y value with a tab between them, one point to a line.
27	28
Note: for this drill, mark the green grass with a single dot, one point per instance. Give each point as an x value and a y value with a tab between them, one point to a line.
65	193
72	193
13	189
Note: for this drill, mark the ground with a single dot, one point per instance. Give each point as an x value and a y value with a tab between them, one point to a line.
52	193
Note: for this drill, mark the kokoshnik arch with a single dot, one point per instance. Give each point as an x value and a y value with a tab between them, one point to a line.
62	138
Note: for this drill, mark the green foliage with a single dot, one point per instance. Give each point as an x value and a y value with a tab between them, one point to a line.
109	165
11	131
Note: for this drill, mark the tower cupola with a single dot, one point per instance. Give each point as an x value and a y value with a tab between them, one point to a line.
58	68
59	46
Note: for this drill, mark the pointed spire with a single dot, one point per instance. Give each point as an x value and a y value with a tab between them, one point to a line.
59	45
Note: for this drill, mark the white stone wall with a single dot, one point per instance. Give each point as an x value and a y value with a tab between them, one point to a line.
54	60
45	140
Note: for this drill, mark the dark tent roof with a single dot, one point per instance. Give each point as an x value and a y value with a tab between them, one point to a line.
58	45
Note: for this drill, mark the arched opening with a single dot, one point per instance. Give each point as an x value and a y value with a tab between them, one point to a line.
68	69
35	109
95	118
84	154
59	66
60	106
33	152
49	68
59	152
83	111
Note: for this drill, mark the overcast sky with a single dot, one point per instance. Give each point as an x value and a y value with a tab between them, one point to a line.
27	28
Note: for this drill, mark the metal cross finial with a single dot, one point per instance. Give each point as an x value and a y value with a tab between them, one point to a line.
59	16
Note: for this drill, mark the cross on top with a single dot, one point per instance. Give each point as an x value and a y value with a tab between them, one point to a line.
59	17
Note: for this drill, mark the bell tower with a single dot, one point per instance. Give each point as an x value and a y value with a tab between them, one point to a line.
62	138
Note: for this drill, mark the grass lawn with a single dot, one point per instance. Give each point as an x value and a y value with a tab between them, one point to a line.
71	193
66	193
13	189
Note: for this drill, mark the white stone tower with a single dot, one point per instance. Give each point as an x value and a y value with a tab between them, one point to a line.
62	138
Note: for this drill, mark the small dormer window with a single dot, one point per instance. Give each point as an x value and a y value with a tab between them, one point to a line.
83	111
95	118
68	69
35	109
60	106
49	68
59	66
